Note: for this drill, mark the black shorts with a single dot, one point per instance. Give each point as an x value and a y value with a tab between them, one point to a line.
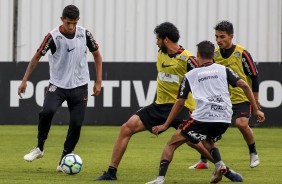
241	110
195	131
156	114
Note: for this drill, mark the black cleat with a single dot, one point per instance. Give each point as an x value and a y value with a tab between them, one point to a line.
106	176
234	176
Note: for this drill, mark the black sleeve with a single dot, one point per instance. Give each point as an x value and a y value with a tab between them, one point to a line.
91	43
232	77
250	70
48	43
255	84
191	63
184	89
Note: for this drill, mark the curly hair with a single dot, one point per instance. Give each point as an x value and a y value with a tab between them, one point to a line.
71	12
225	26
169	30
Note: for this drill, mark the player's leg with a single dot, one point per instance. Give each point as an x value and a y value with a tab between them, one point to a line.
241	116
54	97
243	125
167	155
213	132
205	156
132	126
144	119
220	168
210	133
77	102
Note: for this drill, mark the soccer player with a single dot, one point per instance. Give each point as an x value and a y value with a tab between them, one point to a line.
69	78
173	61
212	116
240	61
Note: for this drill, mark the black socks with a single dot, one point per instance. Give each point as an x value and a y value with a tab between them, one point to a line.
215	155
252	148
163	167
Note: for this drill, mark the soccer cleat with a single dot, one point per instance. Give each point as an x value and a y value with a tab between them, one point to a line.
106	176
59	169
159	180
233	176
200	165
254	160
217	173
35	153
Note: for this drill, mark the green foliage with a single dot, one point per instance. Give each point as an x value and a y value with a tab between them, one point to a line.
140	162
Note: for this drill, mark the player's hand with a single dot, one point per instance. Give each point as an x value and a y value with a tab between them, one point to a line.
96	89
260	116
22	89
157	129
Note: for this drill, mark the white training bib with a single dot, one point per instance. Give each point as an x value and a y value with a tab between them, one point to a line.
68	65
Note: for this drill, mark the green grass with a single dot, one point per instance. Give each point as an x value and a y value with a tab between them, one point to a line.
141	161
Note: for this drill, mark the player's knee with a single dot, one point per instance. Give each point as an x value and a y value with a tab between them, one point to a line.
125	129
242	125
47	112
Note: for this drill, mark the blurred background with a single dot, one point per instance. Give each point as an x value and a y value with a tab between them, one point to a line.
124	31
124	28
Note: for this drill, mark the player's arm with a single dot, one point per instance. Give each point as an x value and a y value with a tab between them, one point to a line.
44	47
251	71
183	92
94	49
234	80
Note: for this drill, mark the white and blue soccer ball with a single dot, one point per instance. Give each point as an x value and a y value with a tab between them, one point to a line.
71	164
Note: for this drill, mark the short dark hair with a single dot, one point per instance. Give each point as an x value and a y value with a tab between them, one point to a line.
71	12
225	26
206	49
169	30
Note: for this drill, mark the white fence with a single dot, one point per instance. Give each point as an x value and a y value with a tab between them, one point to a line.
124	28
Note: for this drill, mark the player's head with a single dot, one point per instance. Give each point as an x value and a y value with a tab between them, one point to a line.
205	50
165	33
71	12
224	34
70	17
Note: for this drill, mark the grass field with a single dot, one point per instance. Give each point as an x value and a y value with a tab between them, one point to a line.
141	161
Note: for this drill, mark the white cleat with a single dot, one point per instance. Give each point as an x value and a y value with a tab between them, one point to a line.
218	173
159	180
35	153
254	160
59	169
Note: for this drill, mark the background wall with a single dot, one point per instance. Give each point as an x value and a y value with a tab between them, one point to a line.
6	30
124	28
122	94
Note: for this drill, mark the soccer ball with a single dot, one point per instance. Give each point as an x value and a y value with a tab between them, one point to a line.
71	164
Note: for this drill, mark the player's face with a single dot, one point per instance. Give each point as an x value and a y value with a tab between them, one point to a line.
160	43
69	25
223	40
